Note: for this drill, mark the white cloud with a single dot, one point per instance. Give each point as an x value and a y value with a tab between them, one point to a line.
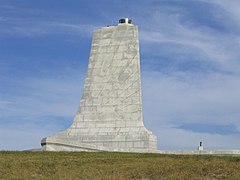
44	96
169	103
214	99
24	136
43	107
219	48
3	104
173	97
172	138
25	22
26	28
230	6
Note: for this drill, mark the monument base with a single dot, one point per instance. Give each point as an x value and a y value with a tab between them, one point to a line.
113	139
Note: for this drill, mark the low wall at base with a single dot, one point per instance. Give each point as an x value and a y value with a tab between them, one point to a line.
203	152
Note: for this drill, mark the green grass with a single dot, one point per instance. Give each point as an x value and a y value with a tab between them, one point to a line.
79	165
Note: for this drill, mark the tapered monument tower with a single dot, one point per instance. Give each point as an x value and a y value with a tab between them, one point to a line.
109	117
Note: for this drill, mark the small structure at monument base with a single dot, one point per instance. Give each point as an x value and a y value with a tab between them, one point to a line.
109	117
200	147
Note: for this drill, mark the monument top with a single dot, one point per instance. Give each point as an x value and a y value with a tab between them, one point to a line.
125	21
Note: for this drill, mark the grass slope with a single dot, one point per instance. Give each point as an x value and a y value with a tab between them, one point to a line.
79	165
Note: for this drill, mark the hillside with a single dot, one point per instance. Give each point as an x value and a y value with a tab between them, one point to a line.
76	165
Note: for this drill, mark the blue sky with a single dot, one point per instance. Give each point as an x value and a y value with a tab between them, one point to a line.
190	65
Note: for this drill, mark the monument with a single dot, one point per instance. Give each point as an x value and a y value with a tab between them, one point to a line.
109	117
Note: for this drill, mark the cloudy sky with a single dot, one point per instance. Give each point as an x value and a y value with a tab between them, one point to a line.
190	62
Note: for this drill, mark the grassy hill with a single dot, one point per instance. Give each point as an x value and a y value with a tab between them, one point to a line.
79	165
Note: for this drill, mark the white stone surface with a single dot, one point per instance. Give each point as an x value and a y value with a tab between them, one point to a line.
109	117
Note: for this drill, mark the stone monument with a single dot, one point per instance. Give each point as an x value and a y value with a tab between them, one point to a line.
109	117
